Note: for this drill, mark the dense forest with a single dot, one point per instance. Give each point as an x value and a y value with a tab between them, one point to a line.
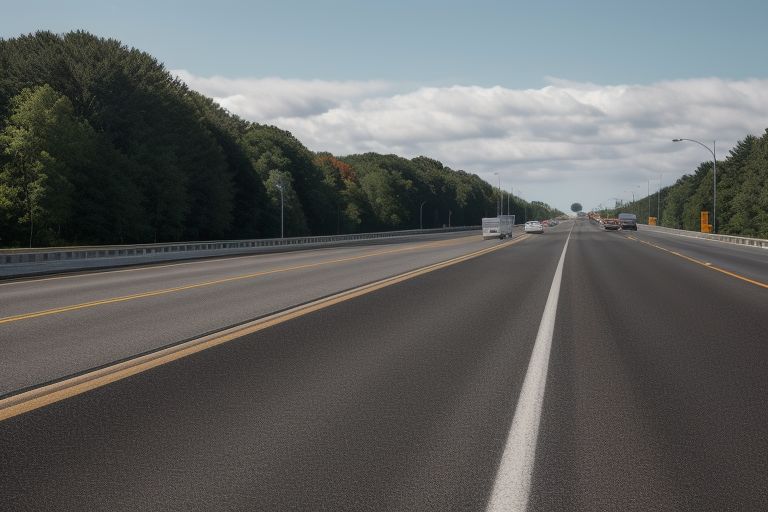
99	143
742	194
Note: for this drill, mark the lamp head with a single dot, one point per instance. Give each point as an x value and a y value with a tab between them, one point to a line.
677	140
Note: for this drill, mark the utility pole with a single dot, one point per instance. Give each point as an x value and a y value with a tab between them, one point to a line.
658	206
713	151
649	199
282	208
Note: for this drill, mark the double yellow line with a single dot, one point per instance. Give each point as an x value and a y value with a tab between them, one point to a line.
699	262
40	397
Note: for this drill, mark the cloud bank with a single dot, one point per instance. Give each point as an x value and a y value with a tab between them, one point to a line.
564	142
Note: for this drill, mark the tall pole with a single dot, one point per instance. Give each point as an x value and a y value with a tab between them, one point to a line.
649	198
714	186
282	212
713	152
501	204
421	209
658	207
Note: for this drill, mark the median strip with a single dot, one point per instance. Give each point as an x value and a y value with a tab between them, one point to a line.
45	395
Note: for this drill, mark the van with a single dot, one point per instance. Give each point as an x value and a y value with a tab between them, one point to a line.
628	221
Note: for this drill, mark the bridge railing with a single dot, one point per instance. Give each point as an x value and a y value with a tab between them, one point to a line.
190	249
741	240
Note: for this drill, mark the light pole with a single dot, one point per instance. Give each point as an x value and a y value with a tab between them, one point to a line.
658	202
282	216
498	201
449	217
649	201
714	176
634	206
421	208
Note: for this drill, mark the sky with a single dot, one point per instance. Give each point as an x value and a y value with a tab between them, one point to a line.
566	101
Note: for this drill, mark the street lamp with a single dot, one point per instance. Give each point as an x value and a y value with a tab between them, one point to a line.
714	175
279	186
634	206
498	201
421	207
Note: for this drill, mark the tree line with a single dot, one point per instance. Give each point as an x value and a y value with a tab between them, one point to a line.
742	194
99	143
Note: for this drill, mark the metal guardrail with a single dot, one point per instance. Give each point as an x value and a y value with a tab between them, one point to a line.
741	240
188	249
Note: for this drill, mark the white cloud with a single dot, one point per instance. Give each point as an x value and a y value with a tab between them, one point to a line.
562	143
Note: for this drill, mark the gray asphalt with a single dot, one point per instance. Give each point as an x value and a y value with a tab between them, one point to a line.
402	399
42	349
10	271
656	398
749	261
399	399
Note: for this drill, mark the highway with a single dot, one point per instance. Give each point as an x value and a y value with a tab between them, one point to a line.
575	370
87	320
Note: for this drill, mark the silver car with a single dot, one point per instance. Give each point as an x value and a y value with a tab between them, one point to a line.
534	226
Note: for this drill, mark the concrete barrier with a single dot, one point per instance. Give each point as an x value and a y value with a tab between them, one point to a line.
185	250
740	240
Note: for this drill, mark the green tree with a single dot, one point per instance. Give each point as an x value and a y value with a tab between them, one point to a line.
35	187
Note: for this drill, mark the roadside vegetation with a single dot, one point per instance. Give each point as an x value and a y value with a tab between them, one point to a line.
99	143
742	194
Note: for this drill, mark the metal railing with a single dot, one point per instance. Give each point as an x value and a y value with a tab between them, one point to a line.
741	240
189	249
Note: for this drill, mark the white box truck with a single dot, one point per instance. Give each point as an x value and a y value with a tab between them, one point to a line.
498	227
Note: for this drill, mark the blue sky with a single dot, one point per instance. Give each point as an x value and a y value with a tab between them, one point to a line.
588	94
514	44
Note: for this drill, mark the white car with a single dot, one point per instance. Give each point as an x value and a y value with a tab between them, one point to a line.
534	226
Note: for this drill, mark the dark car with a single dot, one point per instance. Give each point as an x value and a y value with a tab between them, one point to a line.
628	221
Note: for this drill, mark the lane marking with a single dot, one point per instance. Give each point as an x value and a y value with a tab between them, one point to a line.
176	289
45	395
146	266
512	486
704	264
653	233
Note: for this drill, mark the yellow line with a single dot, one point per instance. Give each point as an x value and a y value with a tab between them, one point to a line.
147	266
703	263
165	291
46	395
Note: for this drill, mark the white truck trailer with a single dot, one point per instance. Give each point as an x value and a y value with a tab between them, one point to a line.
498	227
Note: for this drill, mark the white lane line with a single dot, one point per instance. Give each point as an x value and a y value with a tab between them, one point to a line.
513	478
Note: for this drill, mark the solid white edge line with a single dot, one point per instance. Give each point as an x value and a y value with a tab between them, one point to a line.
513	478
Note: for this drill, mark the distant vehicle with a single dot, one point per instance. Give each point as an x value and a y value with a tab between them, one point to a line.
534	226
498	227
628	221
611	224
545	223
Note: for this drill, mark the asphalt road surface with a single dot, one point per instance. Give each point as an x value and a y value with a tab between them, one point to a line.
576	370
90	319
